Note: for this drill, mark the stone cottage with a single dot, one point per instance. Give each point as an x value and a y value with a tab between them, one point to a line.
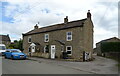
74	38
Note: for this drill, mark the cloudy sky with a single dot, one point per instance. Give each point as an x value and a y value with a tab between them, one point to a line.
20	16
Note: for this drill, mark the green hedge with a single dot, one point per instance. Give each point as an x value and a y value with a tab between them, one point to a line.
110	47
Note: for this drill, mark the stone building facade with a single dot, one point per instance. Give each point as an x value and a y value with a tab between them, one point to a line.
98	45
71	37
5	39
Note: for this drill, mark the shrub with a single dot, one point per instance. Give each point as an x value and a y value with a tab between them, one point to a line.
110	47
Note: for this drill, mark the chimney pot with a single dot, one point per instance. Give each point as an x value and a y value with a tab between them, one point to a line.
36	26
66	19
88	14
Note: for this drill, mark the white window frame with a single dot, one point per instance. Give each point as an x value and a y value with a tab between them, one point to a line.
46	38
69	50
29	38
68	36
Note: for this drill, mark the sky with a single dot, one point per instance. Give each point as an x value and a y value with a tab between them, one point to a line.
20	16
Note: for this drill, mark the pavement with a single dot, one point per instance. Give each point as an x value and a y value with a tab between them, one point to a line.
100	65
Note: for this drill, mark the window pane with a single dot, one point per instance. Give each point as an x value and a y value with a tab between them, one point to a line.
2	47
68	48
7	51
69	33
46	37
68	52
69	38
46	40
29	39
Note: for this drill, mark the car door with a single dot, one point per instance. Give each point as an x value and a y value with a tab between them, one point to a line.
8	54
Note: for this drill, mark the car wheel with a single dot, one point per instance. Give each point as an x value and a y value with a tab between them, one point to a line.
12	57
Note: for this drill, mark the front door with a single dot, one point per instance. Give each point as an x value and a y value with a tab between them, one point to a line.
33	49
52	51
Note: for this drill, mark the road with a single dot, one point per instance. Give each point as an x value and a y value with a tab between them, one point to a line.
100	65
35	67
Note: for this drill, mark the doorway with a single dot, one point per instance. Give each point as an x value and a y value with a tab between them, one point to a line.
52	51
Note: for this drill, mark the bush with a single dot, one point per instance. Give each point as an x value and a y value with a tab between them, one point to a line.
110	47
16	45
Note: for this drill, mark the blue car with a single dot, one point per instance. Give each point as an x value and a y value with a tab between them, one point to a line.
14	54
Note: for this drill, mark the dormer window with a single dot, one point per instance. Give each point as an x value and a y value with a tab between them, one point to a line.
29	39
69	36
46	37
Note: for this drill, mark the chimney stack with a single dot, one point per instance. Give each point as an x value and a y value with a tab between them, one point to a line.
88	14
36	26
66	19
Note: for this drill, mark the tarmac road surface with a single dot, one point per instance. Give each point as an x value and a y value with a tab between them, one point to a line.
35	67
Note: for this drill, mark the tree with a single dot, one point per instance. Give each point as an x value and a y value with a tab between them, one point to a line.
20	44
16	45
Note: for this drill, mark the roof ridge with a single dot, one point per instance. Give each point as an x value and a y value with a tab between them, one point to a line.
71	24
108	39
63	23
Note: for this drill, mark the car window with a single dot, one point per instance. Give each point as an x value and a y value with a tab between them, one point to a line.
2	47
7	51
15	51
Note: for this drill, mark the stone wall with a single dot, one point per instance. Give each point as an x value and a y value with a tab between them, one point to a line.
88	37
82	40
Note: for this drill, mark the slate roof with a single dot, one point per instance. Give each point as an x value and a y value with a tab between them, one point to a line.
4	38
77	23
113	38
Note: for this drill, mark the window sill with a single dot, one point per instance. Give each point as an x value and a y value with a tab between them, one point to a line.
69	54
46	41
69	40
